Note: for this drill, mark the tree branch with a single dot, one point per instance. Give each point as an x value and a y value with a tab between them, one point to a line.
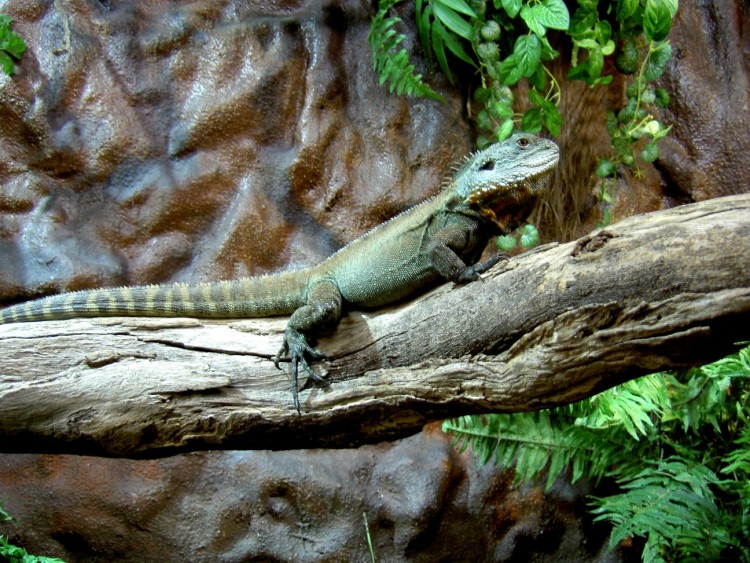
657	291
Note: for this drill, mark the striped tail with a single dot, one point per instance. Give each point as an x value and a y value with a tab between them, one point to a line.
263	296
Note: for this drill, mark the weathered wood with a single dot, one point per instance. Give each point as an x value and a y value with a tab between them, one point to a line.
657	291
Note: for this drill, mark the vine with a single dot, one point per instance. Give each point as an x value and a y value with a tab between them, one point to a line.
506	42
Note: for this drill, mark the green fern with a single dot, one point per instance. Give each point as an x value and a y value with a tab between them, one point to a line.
390	63
671	503
535	443
664	438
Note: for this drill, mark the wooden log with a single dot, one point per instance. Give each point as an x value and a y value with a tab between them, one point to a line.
657	291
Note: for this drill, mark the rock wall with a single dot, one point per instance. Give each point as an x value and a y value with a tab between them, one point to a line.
152	141
423	502
149	141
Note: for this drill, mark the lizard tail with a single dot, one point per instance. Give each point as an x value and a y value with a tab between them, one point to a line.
263	296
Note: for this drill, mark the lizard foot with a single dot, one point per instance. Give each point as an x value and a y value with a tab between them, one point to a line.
471	273
295	343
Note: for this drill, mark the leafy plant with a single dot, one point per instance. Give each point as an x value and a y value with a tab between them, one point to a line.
11	45
14	554
528	236
390	63
507	42
678	446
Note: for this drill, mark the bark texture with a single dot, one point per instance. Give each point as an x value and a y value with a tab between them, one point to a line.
657	291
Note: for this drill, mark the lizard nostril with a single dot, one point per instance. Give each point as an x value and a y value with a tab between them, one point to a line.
489	165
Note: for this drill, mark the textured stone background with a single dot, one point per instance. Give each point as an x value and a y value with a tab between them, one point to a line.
153	141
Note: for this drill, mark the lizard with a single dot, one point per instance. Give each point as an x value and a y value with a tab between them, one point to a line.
441	238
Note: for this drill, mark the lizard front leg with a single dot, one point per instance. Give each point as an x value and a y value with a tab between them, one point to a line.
442	252
323	308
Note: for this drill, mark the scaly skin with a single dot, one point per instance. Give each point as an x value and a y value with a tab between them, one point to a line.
441	238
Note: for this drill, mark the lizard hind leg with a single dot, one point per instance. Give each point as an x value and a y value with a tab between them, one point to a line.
323	309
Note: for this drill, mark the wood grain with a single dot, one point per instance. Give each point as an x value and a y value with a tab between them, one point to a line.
656	291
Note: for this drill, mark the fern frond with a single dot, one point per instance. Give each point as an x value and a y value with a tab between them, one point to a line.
535	443
671	504
391	63
629	405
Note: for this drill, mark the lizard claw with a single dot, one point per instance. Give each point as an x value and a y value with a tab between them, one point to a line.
295	343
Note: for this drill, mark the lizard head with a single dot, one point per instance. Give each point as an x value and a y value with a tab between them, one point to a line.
503	181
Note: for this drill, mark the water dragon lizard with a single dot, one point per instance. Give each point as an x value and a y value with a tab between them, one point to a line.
440	238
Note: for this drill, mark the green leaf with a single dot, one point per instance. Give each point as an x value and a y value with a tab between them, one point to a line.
548	53
625	9
529	238
458	6
662	98
455	47
485	121
603	32
536	98
588	4
510	72
553	120
7	64
506	242
648	97
500	110
657	20
532	120
391	64
482	95
504	95
10	45
438	47
453	21
657	62
627	59
512	7
539	78
552	14
650	152
490	31
530	17
606	168
527	53
505	130
583	21
596	62
611	121
423	27
14	45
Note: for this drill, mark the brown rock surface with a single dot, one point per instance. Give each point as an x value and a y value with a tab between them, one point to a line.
423	502
153	141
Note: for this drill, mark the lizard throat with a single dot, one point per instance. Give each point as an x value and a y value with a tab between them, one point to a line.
508	204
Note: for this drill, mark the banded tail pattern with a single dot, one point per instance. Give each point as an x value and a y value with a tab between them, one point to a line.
279	294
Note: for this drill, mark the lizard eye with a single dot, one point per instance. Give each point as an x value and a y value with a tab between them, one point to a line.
487	166
523	142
